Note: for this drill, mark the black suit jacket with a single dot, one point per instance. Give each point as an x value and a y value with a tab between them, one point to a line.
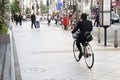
84	26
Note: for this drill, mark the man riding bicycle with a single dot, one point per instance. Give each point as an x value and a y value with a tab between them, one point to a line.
84	26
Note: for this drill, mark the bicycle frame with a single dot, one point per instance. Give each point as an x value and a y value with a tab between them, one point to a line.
87	53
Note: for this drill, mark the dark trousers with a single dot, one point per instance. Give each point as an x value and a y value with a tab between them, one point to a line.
79	40
80	49
56	21
98	23
65	27
32	24
49	22
20	22
16	22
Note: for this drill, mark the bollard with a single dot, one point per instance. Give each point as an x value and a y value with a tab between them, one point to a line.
99	32
115	39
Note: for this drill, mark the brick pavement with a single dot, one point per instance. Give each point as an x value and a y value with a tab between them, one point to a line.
46	54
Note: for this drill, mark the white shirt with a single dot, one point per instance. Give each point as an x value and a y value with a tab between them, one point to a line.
37	18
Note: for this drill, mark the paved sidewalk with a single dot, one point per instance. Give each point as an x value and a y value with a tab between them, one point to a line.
46	54
5	57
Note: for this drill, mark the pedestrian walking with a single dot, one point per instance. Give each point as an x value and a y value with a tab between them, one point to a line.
49	19
33	20
56	19
37	21
16	18
97	23
65	22
20	17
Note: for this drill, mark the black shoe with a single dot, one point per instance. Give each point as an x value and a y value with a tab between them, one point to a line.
79	57
78	60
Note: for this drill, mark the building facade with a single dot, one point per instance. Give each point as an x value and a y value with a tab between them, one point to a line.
33	5
116	6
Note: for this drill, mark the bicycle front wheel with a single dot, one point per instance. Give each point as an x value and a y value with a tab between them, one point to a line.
76	52
88	56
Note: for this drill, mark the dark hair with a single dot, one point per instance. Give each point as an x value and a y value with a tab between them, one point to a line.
84	16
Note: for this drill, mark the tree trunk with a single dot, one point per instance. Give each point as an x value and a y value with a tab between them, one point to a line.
2	9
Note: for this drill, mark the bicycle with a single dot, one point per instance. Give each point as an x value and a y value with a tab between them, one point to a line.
87	53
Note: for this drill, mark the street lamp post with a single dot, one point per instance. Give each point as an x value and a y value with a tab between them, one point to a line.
105	13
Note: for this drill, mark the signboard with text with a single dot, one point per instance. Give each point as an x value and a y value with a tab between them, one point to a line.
105	12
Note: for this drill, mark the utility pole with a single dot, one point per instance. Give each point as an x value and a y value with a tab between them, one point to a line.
105	13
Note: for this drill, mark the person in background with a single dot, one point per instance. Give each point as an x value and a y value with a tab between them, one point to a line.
38	21
49	19
16	18
65	22
97	20
33	20
20	17
56	19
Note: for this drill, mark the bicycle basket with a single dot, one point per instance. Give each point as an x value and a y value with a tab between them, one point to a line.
76	34
88	37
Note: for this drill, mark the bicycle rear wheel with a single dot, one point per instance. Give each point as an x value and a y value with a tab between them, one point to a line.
88	56
76	52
